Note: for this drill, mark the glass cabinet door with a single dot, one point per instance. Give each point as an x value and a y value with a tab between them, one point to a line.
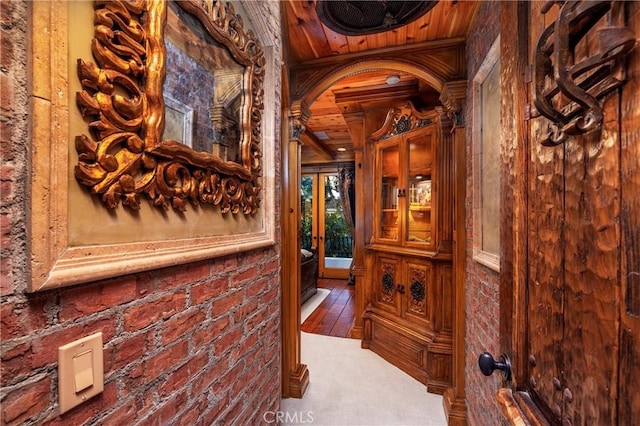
388	158
419	192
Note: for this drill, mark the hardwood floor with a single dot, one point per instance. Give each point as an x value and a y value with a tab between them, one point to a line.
334	316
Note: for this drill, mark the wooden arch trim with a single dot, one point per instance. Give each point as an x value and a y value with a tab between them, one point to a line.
319	82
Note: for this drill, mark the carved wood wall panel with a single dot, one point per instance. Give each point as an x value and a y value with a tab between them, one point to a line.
629	400
575	345
569	86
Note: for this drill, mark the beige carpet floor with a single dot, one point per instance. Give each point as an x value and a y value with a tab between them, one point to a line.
350	386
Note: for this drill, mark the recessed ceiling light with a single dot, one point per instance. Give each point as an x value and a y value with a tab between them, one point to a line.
393	79
342	149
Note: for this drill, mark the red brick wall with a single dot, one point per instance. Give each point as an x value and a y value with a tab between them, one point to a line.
482	284
195	344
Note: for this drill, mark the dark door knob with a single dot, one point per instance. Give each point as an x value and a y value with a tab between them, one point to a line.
488	365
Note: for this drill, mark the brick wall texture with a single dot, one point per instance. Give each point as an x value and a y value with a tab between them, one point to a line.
196	344
482	284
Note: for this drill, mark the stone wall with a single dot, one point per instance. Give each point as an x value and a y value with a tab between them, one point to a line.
191	344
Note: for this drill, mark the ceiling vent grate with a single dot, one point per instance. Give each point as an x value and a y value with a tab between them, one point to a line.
361	17
321	135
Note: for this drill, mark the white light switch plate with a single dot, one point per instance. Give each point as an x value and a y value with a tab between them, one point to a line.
80	367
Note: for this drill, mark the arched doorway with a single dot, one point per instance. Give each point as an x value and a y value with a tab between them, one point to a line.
303	93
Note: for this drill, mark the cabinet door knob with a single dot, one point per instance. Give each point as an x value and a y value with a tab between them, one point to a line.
400	288
488	365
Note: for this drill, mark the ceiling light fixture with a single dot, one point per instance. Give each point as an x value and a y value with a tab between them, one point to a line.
393	79
342	149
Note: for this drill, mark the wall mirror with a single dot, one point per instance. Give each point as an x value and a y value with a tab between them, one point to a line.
167	68
110	130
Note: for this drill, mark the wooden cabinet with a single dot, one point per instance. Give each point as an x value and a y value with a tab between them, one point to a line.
401	285
408	319
403	187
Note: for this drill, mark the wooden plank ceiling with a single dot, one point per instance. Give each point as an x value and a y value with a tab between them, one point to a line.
307	40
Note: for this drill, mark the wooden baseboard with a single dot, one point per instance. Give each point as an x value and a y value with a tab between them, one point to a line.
455	410
356	332
299	381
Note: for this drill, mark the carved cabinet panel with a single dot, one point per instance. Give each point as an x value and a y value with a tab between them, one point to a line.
403	286
387	282
417	290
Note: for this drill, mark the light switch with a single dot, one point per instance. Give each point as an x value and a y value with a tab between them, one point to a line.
80	371
83	370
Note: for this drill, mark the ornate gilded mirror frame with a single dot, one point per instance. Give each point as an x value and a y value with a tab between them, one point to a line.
123	98
73	238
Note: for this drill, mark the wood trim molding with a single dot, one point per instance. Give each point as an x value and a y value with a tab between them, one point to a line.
356	122
299	381
376	94
454	399
445	181
514	19
316	144
434	65
409	49
308	84
295	375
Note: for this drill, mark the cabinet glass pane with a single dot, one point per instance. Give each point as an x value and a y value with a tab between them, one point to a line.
389	159
419	189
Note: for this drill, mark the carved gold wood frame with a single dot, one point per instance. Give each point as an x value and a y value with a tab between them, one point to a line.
122	96
57	259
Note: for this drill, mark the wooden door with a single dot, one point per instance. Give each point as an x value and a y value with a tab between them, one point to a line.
335	245
573	316
323	227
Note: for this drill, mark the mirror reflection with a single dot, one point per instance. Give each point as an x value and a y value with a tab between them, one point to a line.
202	89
